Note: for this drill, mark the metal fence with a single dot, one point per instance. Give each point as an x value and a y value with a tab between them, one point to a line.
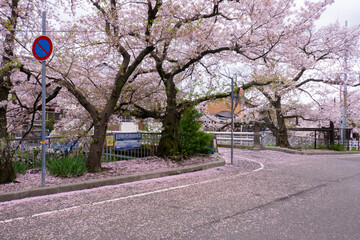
307	142
247	139
354	144
28	151
349	144
310	142
149	143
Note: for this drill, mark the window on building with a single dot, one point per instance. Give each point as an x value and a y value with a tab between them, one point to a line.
126	118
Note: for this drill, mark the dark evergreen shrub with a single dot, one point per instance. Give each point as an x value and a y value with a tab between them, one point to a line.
192	139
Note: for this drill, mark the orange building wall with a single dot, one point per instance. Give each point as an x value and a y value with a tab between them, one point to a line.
223	105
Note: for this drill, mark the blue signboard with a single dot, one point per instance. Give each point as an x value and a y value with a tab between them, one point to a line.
127	140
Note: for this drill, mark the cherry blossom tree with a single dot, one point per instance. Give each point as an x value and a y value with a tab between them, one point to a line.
311	56
204	31
20	93
117	33
328	102
225	32
156	47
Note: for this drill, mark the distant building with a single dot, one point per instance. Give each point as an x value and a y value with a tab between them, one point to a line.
221	109
53	115
217	114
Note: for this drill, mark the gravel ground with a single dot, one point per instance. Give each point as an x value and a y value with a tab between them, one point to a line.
32	177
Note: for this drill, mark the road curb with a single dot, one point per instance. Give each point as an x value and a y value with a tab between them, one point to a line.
292	151
305	152
8	196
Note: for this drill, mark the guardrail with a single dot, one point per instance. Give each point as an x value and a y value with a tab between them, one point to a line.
239	138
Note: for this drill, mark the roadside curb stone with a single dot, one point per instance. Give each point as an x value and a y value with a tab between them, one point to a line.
292	151
308	152
8	196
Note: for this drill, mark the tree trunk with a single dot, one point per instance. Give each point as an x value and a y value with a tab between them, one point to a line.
332	134
282	139
93	162
169	144
282	133
7	173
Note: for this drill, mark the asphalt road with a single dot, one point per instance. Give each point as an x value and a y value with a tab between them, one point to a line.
282	196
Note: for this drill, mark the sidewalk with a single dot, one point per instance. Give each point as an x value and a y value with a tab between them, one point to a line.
8	196
87	184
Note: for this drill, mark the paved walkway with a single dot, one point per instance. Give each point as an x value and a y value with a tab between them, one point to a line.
225	159
8	196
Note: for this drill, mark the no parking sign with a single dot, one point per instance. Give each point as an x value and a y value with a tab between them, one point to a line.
42	48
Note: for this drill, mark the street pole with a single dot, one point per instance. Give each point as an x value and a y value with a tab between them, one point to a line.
343	135
43	142
344	116
232	121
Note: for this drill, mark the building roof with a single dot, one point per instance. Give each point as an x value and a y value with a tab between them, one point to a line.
224	114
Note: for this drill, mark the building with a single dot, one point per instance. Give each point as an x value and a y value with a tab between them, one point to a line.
217	115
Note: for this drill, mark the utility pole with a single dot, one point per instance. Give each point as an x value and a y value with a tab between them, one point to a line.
343	130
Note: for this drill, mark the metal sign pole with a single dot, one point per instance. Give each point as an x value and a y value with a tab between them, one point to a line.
43	142
343	130
232	121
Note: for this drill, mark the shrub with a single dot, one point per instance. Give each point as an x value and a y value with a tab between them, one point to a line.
67	166
19	167
192	139
337	147
322	146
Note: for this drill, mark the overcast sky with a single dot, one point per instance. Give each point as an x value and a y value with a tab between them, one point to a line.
341	10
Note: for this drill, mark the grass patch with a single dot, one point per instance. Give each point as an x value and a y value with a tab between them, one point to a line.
19	167
321	146
270	145
67	166
337	147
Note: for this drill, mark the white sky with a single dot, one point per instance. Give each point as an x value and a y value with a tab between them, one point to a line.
340	10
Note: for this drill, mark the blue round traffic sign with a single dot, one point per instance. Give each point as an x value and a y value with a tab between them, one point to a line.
42	48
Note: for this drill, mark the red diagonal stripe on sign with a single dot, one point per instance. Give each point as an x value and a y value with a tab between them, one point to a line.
42	48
